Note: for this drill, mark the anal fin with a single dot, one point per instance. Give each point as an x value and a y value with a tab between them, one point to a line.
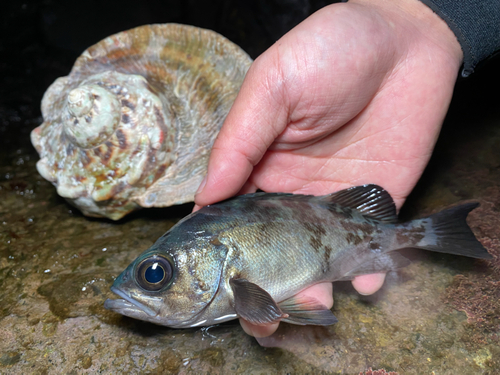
383	263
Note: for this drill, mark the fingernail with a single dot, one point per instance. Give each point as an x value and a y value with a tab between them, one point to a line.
202	186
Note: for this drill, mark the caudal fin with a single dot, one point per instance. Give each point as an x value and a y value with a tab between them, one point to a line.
452	235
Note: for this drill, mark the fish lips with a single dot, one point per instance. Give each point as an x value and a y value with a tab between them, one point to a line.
132	308
129	306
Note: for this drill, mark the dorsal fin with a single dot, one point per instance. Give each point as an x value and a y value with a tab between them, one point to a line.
370	200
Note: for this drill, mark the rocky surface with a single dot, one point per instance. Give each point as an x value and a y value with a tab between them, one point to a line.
440	315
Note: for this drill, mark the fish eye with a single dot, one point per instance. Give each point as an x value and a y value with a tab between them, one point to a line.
154	273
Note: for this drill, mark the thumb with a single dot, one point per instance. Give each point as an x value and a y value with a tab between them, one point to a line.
258	115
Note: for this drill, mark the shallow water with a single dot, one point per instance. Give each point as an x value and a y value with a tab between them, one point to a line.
440	315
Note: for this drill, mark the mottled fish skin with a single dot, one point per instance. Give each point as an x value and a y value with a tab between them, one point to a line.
282	243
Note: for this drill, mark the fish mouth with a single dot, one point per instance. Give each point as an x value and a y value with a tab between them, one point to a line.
127	306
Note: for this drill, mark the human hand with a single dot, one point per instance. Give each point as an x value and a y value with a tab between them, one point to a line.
355	94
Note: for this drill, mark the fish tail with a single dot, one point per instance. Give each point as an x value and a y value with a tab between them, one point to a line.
448	232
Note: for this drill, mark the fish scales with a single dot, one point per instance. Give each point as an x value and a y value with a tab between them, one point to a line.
319	238
250	256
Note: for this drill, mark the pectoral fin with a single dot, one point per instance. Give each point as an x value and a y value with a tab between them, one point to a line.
305	311
254	304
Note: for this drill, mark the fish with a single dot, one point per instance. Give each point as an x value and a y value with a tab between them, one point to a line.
248	257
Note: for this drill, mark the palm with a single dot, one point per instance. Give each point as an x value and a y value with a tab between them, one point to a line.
357	153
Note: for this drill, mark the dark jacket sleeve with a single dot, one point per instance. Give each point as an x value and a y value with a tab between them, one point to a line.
476	24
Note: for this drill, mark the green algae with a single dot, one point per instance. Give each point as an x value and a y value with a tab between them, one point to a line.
74	295
10	358
214	356
170	362
86	361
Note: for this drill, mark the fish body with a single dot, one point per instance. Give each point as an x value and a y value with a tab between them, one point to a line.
249	256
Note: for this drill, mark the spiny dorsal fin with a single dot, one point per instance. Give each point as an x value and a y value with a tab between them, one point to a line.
370	200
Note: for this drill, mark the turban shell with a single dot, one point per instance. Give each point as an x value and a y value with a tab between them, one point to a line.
133	123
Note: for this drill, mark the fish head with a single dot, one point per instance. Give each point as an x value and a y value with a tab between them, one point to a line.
170	284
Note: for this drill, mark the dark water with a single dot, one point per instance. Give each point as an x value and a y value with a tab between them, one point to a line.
439	315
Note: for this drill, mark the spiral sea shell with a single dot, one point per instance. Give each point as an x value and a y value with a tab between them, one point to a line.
133	124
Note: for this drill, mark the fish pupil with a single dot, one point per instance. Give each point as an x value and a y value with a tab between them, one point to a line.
154	273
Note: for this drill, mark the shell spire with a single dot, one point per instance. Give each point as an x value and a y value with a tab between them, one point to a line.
92	115
133	123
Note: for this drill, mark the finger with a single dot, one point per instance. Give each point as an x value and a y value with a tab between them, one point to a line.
258	331
368	284
322	293
259	114
248	188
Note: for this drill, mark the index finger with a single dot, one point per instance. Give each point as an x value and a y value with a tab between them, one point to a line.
257	117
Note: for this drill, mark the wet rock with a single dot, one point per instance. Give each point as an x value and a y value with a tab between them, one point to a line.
438	315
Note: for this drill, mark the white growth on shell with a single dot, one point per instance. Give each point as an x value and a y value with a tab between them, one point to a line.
93	114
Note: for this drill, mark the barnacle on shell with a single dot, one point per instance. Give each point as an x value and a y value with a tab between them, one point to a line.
133	124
